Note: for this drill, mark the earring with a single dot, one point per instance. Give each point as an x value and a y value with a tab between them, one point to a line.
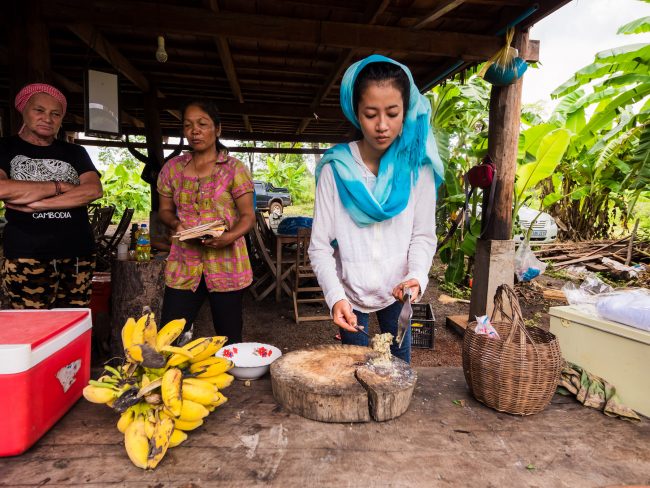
401	130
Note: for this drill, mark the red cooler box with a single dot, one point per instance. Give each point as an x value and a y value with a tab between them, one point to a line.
44	366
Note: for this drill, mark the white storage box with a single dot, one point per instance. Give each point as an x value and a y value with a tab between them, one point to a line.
616	352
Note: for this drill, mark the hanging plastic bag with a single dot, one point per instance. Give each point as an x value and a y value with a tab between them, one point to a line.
527	266
505	67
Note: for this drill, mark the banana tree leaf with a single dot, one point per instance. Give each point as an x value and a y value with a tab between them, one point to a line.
607	115
620	80
549	154
468	246
552	198
634	58
533	137
636	26
456	268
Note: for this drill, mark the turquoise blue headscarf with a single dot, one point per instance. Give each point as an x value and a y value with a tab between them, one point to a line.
398	167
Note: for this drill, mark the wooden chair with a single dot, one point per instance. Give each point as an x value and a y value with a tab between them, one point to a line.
107	245
100	220
304	290
266	280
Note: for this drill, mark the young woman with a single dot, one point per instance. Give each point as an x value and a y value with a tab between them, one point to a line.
197	188
373	233
46	184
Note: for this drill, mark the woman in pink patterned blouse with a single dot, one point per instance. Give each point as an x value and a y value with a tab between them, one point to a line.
197	188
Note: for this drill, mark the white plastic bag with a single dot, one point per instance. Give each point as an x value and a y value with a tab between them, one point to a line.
630	307
484	326
584	297
527	266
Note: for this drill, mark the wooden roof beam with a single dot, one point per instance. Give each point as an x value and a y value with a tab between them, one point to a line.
252	109
194	21
443	9
370	16
229	67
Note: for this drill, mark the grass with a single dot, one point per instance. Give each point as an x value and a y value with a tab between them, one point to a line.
304	209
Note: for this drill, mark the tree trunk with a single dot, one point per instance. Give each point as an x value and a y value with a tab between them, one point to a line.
134	286
335	383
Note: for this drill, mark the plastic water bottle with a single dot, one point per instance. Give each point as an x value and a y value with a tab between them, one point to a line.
143	245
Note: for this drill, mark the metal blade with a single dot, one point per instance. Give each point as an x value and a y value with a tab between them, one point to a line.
404	319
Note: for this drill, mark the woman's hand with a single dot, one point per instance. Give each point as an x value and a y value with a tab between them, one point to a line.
413	284
224	240
178	228
343	316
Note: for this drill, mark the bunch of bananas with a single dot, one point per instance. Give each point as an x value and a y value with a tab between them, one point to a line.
161	391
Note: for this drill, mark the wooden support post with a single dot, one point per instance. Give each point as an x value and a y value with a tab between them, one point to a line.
494	262
29	50
155	156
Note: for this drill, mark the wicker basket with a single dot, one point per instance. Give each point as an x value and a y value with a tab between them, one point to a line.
517	373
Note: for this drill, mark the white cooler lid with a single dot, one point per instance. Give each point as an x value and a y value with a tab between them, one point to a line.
574	314
27	337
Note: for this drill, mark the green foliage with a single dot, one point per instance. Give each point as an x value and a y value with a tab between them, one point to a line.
289	171
459	121
122	184
636	26
606	109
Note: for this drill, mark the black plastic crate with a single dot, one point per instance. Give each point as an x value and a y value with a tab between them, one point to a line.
422	337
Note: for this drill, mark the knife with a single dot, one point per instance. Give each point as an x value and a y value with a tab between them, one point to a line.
404	319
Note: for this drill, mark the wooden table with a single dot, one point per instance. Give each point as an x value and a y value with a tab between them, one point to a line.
280	273
445	439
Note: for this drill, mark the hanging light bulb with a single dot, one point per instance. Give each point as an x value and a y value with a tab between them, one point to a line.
161	54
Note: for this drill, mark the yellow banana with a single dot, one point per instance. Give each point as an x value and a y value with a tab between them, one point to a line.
211	367
192	411
187	424
195	347
145	354
127	332
178	436
177	350
169	333
221	381
198	391
215	344
97	394
125	420
160	441
150	333
219	399
149	427
137	443
137	337
171	391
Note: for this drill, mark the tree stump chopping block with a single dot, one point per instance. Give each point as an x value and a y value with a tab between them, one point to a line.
336	383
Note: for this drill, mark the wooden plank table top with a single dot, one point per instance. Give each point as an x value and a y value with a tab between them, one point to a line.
445	439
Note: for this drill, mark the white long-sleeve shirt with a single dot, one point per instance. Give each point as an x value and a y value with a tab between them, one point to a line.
370	261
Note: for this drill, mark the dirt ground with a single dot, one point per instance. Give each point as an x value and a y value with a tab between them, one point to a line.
272	323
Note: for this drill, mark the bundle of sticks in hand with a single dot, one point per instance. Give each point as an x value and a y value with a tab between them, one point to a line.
202	232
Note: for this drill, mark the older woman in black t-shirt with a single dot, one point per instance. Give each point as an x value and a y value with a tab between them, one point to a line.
45	185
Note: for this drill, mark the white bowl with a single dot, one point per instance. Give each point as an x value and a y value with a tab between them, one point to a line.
252	359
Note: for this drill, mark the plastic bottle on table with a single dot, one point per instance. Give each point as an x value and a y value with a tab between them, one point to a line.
143	245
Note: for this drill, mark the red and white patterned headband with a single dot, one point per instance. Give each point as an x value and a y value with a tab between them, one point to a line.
30	90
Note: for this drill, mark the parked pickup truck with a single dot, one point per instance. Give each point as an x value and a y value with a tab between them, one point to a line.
268	197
